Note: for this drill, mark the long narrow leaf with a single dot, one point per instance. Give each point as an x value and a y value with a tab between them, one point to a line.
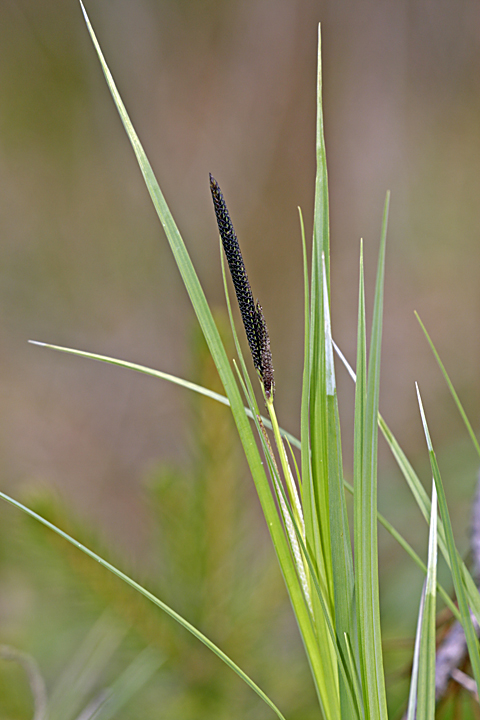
344	663
315	650
451	388
317	400
162	376
311	526
342	561
368	606
426	666
358	450
317	503
455	565
412	696
321	223
156	601
311	517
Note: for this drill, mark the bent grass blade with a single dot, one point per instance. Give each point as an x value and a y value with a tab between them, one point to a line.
161	376
156	601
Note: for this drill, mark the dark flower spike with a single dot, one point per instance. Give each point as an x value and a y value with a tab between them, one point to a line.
251	311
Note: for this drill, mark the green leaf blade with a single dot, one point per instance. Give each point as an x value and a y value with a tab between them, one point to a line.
426	668
368	604
455	563
156	601
342	560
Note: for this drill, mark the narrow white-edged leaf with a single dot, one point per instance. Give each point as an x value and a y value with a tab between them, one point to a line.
329	364
412	697
424	420
432	545
426	668
456	566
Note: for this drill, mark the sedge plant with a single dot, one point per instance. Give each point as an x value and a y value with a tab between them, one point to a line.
330	569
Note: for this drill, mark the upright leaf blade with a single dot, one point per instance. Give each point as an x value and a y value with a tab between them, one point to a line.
321	227
368	604
412	696
317	344
318	500
426	667
342	561
358	449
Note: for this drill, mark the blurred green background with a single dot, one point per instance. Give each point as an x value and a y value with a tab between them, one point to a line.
226	87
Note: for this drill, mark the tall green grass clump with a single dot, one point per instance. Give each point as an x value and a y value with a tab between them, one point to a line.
330	569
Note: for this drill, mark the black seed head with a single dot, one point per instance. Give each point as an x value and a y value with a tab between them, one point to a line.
265	353
252	315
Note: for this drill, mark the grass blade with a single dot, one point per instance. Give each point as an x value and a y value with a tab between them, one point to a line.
342	561
368	605
412	696
156	601
317	400
316	482
450	387
358	450
162	376
312	532
455	565
422	499
426	662
343	658
321	223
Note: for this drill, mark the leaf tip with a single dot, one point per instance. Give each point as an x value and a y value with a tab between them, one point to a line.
37	342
